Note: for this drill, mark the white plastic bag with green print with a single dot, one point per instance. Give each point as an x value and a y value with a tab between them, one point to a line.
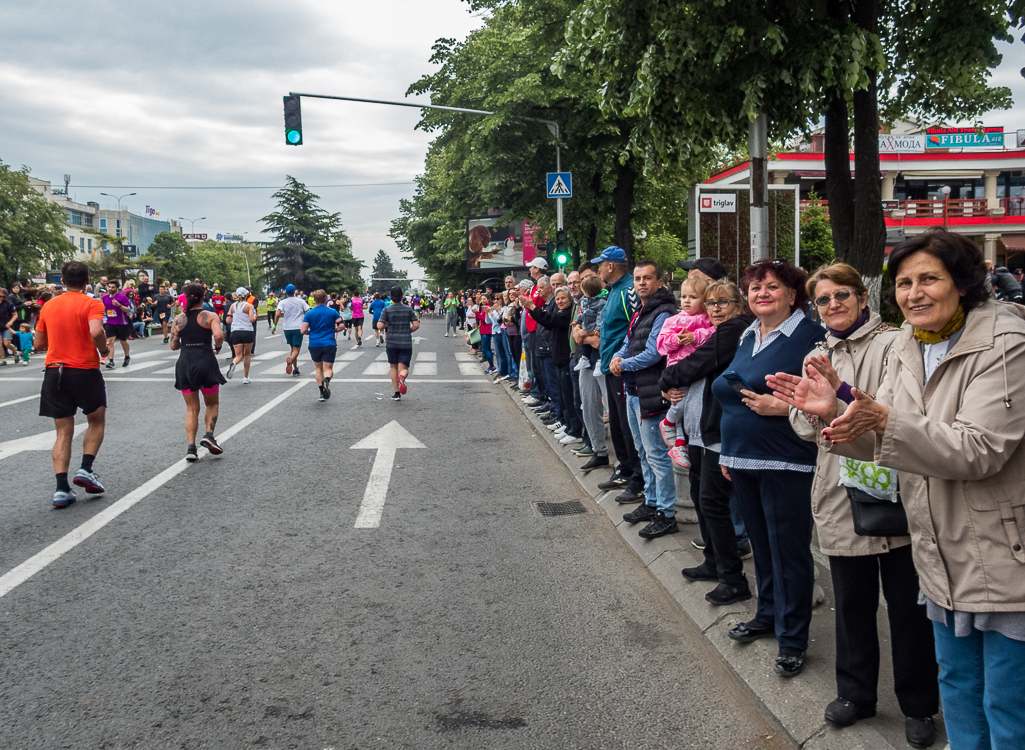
873	480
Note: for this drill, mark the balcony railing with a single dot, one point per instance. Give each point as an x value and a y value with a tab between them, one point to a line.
937	207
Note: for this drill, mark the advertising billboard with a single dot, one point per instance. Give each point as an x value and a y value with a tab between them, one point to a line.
496	242
965	137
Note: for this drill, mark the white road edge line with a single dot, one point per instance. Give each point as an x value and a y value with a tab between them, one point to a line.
18	400
18	575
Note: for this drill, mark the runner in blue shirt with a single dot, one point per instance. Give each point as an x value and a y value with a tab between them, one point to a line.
321	324
375	309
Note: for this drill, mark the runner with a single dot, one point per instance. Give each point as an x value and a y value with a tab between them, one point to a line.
219	302
400	321
357	318
115	323
291	310
8	321
70	328
322	324
162	305
272	305
241	317
345	307
375	310
197	333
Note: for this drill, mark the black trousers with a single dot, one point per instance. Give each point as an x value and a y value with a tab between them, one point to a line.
622	438
710	492
515	345
856	588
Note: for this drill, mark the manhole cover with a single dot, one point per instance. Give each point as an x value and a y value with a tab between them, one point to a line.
568	508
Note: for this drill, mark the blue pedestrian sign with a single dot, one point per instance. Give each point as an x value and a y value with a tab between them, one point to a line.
560	185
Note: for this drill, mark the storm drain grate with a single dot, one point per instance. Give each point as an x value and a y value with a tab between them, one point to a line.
568	508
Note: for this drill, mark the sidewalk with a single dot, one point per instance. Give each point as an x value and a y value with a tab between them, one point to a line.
796	705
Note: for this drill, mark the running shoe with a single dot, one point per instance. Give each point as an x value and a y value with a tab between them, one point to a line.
288	365
166	339
402	385
63	498
110	366
359	343
211	445
90	481
295	372
378	343
246	381
191	453
326	390
680	458
126	361
568	439
231	371
668	430
397	396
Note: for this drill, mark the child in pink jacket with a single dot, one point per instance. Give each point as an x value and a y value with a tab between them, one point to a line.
681	335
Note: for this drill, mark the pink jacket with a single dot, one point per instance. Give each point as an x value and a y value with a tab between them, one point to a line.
699	325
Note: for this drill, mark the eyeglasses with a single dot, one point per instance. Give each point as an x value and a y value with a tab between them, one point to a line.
840	296
721	302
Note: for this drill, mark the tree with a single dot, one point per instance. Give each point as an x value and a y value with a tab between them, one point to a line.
31	229
309	248
382	271
816	236
171	253
664	249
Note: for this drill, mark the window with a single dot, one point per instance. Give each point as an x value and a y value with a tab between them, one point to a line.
88	219
89	245
74	217
103	225
81	244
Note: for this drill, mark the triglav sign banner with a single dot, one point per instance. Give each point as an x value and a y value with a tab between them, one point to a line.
718	203
964	138
911	143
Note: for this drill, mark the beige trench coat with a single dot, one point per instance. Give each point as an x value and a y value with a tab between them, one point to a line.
858	361
957	445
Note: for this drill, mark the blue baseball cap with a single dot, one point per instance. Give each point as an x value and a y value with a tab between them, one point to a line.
612	253
290	289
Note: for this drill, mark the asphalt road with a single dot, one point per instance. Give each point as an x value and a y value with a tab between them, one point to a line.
232	603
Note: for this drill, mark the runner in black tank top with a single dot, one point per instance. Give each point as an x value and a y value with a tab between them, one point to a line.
196	333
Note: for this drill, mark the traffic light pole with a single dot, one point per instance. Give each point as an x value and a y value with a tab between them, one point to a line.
552	126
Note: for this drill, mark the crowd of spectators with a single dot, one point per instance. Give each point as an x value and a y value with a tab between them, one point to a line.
788	399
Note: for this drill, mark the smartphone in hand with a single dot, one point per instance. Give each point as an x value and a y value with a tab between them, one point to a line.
736	382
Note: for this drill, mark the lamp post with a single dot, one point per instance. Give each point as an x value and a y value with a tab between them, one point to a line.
118	199
245	257
946	197
192	222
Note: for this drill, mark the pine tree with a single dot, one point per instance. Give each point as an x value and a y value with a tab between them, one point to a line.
383	269
310	249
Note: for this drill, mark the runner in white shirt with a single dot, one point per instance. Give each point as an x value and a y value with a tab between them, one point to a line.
290	312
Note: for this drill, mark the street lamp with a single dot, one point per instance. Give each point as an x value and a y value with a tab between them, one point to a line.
192	221
118	199
245	257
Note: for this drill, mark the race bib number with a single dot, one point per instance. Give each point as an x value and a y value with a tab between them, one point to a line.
111	314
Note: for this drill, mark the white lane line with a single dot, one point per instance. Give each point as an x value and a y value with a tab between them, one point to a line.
166	370
272	336
424	368
469	369
18	400
290	379
42	441
72	539
141	355
427	357
382	357
377	368
263	356
465	357
351	355
386	441
134	367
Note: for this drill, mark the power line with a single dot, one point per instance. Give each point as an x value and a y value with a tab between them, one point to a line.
235	187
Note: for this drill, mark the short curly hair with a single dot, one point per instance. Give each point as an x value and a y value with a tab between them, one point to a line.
959	255
789	275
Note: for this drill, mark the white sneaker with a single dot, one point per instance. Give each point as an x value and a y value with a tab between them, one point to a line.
446	335
529	400
246	381
569	440
583	364
555	426
560	433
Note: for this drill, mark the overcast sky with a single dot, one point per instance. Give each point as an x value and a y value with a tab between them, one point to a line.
146	95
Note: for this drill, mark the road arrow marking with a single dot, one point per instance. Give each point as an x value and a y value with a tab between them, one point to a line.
41	442
385	441
418	339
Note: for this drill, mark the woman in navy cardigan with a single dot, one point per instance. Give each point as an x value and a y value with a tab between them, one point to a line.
770	466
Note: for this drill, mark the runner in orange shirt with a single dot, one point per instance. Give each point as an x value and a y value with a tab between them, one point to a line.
70	328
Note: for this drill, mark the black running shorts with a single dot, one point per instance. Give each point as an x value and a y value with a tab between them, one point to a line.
323	354
65	390
399	356
242	337
119	331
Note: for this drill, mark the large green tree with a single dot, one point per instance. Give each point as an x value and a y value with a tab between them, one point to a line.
31	229
309	247
382	271
695	73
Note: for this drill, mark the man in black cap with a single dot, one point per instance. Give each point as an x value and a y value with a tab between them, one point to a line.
709	269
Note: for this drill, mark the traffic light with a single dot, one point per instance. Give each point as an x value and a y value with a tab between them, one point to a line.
293	121
541	251
561	248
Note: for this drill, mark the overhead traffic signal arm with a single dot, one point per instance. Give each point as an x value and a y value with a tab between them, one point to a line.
293	121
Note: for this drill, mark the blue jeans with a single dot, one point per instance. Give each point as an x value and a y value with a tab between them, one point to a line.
656	466
505	358
485	348
550	384
981	685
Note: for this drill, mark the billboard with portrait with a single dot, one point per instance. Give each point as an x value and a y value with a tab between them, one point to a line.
495	242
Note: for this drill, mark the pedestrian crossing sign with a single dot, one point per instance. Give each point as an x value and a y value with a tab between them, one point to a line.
560	185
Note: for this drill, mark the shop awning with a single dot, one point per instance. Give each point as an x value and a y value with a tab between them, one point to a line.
1014	241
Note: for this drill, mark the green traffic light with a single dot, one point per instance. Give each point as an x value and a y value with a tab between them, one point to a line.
562	259
294	137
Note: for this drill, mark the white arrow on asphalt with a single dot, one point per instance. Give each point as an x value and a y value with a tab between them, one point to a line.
41	442
418	339
385	441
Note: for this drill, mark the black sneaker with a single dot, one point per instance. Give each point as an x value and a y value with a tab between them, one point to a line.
920	733
698	543
614	482
110	363
211	445
660	526
628	496
595	462
749	632
842	713
700	573
327	389
191	453
126	361
397	396
724	594
642	513
789	666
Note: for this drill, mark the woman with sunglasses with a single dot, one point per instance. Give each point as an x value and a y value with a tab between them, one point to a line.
690	381
856	346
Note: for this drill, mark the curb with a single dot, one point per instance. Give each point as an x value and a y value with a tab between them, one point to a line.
794	705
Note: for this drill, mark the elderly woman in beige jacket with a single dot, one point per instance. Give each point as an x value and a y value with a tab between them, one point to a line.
950	418
856	345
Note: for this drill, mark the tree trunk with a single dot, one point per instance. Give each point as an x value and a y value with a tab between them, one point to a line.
592	228
839	188
868	248
623	205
